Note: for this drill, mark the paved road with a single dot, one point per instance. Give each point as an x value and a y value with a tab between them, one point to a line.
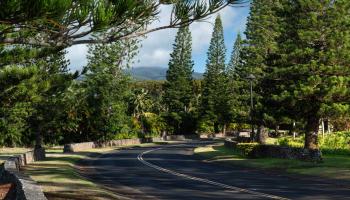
173	172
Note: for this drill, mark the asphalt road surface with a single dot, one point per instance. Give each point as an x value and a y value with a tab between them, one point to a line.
173	172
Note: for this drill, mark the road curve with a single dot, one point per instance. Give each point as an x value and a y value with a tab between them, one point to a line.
173	172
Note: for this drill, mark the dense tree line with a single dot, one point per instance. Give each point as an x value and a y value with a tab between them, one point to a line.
297	50
40	100
298	53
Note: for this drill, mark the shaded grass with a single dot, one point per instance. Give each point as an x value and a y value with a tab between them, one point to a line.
334	166
60	180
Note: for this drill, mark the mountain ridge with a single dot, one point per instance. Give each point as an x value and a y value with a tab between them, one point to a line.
154	73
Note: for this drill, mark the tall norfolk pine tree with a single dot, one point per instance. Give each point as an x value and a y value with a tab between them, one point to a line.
310	75
179	84
260	44
237	90
214	96
235	60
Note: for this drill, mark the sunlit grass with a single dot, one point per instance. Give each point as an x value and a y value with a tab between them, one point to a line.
334	166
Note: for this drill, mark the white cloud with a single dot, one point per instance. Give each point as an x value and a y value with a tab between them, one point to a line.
162	41
157	46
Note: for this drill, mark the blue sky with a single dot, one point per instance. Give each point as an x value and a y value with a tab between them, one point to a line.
157	47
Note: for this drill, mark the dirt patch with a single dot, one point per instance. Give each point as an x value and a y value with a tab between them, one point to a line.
7	191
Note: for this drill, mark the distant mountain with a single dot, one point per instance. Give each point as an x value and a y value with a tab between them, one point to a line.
154	73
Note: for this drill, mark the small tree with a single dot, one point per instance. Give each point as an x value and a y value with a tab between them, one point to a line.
106	89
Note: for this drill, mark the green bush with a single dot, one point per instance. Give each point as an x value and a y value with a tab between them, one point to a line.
127	135
153	124
289	141
246	148
334	143
206	126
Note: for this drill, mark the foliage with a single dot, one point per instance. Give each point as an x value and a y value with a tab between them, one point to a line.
288	141
205	126
60	24
214	106
262	29
106	90
154	124
246	148
311	74
29	99
155	93
340	123
337	143
238	89
178	88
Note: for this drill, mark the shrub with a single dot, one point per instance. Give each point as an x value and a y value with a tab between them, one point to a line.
153	124
290	142
334	143
246	149
206	126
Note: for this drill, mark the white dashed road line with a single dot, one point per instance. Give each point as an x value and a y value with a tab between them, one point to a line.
207	181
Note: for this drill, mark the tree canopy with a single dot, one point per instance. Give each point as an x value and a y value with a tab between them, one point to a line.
63	23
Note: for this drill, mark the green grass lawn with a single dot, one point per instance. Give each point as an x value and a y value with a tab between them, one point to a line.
60	180
334	166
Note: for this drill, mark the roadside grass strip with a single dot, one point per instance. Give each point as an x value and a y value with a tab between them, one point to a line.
336	167
60	180
206	181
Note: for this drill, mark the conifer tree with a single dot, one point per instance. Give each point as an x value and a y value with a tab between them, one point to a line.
235	70
262	30
30	98
179	83
106	90
311	73
235	59
214	96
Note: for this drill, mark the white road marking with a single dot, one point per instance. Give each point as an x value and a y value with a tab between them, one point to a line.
229	187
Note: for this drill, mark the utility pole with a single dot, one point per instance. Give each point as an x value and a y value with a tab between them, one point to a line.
251	78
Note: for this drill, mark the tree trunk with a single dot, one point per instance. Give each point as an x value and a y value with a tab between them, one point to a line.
216	127
262	135
277	129
323	129
311	135
38	139
224	130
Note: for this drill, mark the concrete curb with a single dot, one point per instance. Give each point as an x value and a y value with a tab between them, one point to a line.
26	188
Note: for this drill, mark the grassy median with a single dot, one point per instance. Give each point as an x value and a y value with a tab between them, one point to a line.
60	180
334	166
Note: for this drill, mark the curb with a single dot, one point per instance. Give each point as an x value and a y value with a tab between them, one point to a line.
26	188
